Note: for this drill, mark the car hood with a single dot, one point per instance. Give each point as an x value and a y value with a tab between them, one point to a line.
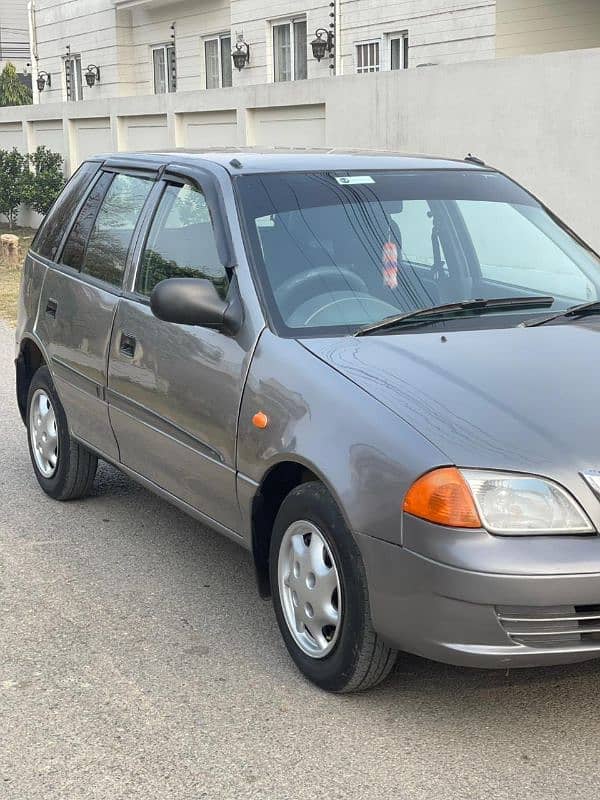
525	399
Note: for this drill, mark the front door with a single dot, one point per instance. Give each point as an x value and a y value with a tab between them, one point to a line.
79	300
174	390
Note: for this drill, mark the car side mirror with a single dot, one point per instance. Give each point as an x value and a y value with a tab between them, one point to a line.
195	301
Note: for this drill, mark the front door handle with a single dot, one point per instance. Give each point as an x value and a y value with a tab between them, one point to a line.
51	308
127	345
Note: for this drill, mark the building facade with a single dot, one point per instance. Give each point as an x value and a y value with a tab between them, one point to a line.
137	47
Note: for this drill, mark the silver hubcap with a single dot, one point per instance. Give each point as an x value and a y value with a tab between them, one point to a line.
44	435
309	587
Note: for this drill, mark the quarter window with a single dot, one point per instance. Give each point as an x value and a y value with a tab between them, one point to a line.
181	242
111	236
367	57
164	63
217	58
289	51
52	229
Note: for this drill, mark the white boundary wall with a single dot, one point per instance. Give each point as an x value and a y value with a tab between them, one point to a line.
536	117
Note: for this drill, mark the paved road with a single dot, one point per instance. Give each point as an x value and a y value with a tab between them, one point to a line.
136	661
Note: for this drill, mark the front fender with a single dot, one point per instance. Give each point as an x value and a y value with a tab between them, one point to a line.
363	452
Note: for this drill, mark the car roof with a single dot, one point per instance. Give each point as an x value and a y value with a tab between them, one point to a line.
257	160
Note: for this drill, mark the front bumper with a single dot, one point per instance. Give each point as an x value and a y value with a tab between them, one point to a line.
475	618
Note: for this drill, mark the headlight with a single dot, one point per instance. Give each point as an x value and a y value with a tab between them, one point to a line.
524	504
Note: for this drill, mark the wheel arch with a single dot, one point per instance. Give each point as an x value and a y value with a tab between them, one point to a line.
277	482
31	357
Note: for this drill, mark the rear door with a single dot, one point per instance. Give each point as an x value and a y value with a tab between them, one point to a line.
80	297
175	390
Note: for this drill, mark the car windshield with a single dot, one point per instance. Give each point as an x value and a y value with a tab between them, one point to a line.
337	251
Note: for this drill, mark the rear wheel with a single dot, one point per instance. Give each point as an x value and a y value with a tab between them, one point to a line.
64	468
320	595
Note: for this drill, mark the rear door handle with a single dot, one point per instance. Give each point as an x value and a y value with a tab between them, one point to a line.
127	345
51	308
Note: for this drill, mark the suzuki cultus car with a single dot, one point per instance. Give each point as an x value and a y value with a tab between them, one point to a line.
376	372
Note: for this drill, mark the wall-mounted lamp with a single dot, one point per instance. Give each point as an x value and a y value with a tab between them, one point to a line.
43	78
92	74
241	55
324	41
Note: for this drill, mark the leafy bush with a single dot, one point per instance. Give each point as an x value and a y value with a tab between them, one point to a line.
12	91
44	180
13	168
34	180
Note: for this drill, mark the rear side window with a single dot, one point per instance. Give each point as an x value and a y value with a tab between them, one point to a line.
74	249
181	243
112	231
58	219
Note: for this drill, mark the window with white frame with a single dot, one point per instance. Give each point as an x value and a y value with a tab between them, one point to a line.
73	81
289	50
217	61
164	65
368	56
398	50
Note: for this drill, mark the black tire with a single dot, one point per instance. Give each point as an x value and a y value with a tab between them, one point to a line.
359	659
76	465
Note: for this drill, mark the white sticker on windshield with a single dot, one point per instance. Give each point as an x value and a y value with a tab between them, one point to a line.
349	180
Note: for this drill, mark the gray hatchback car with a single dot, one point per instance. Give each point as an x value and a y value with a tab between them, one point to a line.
375	372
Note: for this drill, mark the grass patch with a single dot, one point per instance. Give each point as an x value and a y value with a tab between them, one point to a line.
10	275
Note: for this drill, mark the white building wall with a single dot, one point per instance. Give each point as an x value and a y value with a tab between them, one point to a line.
542	26
439	31
14	33
89	27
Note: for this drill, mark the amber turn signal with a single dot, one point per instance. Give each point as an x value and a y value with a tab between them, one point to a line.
442	496
260	420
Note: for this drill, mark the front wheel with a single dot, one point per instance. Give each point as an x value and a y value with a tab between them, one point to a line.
64	468
320	595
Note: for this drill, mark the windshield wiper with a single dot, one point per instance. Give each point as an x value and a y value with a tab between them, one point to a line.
480	305
575	311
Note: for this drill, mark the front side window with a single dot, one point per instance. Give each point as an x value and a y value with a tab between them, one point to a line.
217	59
73	80
367	57
289	50
112	232
181	242
164	63
336	251
58	219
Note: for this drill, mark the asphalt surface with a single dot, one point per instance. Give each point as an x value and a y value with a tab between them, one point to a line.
137	661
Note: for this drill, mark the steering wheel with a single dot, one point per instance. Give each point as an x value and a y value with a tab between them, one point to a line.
340	308
289	291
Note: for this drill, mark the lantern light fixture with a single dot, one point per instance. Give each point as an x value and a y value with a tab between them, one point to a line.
92	74
322	43
43	78
241	55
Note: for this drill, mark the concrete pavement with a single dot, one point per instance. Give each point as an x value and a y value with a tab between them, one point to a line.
137	661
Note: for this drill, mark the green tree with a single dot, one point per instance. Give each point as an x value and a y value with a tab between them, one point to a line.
13	171
44	179
12	91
